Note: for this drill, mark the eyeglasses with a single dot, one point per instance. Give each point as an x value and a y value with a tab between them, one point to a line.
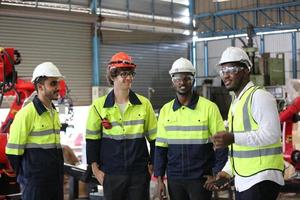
183	78
125	74
230	70
54	83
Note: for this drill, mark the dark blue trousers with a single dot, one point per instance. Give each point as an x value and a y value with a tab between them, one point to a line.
188	190
126	187
33	192
265	190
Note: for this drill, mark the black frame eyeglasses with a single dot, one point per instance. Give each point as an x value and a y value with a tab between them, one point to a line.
125	74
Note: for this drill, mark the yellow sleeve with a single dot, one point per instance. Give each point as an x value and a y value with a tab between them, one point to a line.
19	131
151	122
216	123
161	139
93	124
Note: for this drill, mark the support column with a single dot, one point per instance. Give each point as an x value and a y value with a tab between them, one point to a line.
294	54
262	44
192	44
96	47
205	58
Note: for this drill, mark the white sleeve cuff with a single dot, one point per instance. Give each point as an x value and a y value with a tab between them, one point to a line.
227	168
240	138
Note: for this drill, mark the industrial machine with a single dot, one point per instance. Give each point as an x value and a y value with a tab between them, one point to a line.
12	85
288	117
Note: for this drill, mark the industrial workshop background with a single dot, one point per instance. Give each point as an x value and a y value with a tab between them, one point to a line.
82	35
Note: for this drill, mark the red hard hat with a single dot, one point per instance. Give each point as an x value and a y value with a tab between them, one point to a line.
121	59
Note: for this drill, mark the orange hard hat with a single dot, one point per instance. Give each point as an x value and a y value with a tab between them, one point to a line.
121	59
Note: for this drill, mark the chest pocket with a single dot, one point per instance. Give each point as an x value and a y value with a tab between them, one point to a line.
171	125
42	124
187	127
140	117
43	130
136	122
170	121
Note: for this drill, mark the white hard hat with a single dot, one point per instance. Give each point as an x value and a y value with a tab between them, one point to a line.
47	69
235	54
182	65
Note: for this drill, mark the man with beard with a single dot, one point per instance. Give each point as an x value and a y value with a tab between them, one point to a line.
183	147
254	132
118	127
33	147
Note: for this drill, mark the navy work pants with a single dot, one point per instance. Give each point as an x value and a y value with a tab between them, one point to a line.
265	190
188	190
126	187
33	192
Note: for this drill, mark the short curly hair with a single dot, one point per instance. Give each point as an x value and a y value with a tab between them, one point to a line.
114	72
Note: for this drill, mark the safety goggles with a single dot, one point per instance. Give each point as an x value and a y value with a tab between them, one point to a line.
182	78
125	74
230	70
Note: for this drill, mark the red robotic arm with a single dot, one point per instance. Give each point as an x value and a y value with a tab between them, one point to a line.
287	118
290	111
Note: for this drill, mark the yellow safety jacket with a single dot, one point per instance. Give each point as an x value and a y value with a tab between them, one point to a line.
183	146
122	149
34	145
245	160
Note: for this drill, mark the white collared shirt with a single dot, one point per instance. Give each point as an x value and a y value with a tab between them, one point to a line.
265	113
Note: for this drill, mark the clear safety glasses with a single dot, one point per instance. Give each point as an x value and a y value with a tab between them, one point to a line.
125	74
182	78
230	70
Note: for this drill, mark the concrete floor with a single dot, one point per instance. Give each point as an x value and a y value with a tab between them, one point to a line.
222	195
289	196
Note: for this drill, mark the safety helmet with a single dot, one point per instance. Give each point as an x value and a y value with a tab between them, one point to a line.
47	69
235	54
182	65
121	59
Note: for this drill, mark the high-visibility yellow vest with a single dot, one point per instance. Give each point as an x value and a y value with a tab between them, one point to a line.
245	160
30	130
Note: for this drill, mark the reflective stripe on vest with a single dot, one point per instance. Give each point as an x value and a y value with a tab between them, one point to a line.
186	128
183	141
257	153
45	132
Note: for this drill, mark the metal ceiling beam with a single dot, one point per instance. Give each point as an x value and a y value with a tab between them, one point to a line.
291	15
242	31
224	22
156	23
40	13
88	14
231	12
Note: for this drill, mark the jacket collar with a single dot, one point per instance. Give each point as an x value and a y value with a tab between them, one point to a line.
192	104
39	106
110	99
